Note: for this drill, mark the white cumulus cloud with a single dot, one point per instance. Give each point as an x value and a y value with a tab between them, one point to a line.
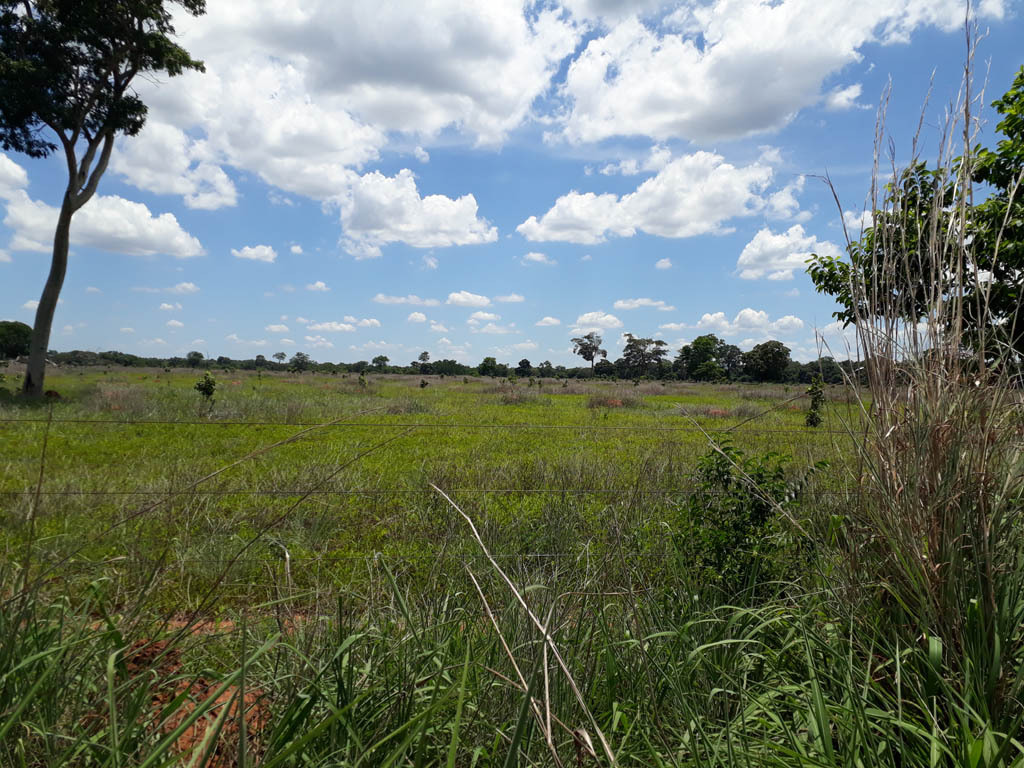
377	210
332	326
693	195
416	317
754	323
547	320
842	98
477	317
467	299
108	223
538	258
318	342
731	68
256	253
643	303
776	256
319	286
412	299
596	321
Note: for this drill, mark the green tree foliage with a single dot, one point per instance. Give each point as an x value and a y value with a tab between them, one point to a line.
68	66
997	224
489	367
301	362
524	369
900	262
709	370
588	347
708	358
279	356
380	362
194	358
14	339
767	361
641	354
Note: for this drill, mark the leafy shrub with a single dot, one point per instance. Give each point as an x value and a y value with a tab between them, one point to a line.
730	521
817	394
206	387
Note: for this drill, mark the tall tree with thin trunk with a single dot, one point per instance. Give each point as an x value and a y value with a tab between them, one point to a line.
68	66
588	347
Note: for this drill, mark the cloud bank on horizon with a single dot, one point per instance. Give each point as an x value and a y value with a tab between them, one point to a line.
550	160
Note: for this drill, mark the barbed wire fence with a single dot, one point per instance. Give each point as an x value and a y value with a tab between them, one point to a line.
288	575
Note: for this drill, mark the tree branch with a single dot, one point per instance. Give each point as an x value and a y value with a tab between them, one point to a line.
86	164
69	152
97	172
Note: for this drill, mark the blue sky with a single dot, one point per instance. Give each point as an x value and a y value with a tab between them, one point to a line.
491	177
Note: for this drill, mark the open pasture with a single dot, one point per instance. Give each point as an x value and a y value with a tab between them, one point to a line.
282	479
340	571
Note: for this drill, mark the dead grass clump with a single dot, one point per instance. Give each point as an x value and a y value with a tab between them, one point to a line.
708	411
407	405
652	388
120	399
617	400
764	392
571	387
513	396
746	411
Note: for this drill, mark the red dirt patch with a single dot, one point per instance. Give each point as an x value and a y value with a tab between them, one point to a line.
164	661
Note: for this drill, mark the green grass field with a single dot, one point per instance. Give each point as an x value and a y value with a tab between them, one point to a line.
312	570
542	469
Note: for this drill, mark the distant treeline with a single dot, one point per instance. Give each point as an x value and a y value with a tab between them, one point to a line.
707	358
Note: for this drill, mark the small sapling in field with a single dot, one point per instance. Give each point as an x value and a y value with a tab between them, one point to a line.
206	387
817	394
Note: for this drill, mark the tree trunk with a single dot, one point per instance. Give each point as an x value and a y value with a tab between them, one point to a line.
40	344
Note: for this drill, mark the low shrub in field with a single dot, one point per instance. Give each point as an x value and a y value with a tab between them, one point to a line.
730	522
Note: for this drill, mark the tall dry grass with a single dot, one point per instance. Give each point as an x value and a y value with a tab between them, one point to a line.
933	542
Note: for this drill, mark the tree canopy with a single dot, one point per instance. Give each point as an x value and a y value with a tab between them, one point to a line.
14	338
916	252
588	347
767	361
66	74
